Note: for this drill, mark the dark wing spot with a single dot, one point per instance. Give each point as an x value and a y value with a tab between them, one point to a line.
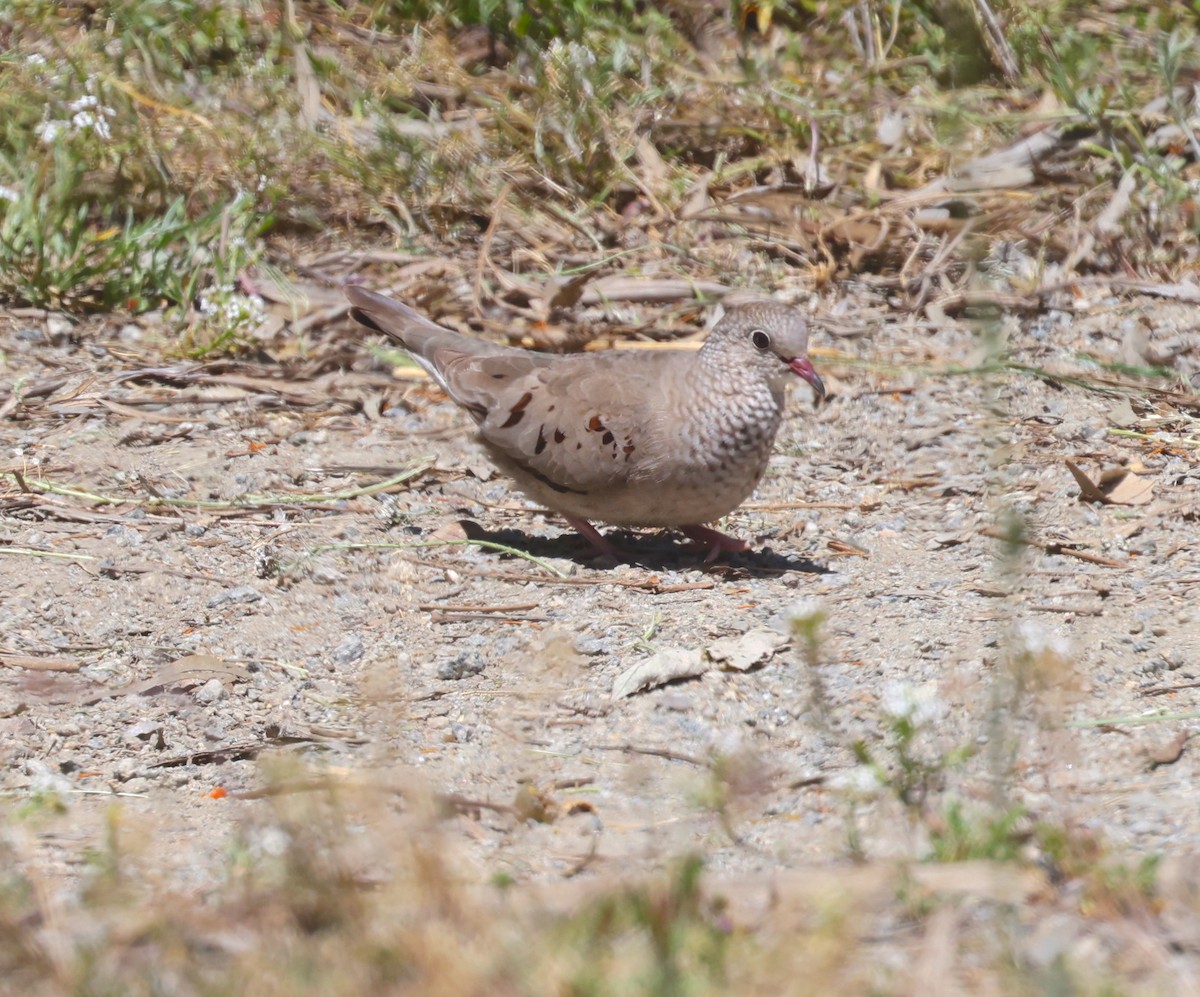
548	482
595	425
607	438
559	436
550	409
628	448
541	441
499	377
578	446
517	412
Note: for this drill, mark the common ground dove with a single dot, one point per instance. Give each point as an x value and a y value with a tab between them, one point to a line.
666	439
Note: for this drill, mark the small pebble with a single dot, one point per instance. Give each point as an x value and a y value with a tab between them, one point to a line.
325	575
241	594
126	769
144	730
124	535
212	691
467	663
350	649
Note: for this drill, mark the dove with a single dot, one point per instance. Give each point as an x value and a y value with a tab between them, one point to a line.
666	439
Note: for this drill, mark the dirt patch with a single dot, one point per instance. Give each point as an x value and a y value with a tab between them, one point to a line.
197	578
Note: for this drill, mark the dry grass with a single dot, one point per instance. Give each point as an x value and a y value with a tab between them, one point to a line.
343	888
807	150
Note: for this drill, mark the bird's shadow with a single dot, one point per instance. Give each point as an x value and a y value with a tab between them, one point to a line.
653	550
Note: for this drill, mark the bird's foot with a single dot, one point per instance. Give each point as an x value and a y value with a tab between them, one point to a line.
589	533
713	542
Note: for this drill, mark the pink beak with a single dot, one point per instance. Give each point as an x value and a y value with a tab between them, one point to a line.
804	368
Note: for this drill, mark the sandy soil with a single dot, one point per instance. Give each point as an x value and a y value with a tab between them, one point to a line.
161	652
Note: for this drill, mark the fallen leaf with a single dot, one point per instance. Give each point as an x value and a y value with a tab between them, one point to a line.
567	295
654	172
1168	754
755	647
1088	491
953	539
1116	486
667	665
185	674
1122	414
454	530
480	469
1123	487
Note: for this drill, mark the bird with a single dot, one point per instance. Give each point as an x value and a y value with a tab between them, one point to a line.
668	439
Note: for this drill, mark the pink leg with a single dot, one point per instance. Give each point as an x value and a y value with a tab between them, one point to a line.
592	536
718	543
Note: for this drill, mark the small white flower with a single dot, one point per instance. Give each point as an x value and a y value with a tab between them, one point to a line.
88	114
862	780
583	56
805	611
48	131
894	699
920	705
1031	638
273	841
231	308
8	194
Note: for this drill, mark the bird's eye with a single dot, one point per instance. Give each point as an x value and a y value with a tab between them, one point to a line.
760	339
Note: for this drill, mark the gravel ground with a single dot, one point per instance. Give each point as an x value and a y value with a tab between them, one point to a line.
163	652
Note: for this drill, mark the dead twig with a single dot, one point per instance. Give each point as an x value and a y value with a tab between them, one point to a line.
667	753
1050	547
38	663
1164	690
